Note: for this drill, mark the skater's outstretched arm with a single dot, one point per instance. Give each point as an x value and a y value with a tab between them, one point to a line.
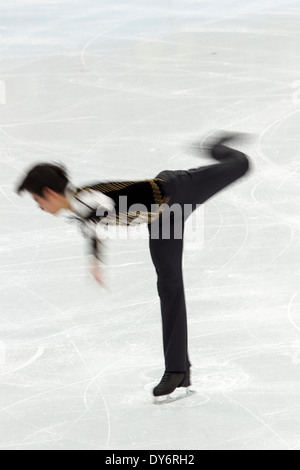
92	207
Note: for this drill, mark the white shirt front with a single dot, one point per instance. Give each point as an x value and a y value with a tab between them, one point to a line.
87	200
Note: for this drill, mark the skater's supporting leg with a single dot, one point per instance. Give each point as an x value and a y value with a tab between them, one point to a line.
167	258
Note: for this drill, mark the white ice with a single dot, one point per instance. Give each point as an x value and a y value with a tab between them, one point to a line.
117	90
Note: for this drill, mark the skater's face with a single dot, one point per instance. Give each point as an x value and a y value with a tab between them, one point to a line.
51	201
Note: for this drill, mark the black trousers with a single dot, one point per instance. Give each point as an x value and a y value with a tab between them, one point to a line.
191	187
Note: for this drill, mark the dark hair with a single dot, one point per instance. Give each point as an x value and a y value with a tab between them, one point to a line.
45	175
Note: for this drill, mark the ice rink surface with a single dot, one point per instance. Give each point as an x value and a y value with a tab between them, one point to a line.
118	90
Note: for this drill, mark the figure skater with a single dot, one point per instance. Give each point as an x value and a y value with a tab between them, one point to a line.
147	201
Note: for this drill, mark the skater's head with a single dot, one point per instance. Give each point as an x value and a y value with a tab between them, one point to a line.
46	183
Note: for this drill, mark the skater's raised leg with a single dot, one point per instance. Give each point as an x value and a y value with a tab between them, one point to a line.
204	182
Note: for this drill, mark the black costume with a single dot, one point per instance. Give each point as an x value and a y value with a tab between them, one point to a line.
181	187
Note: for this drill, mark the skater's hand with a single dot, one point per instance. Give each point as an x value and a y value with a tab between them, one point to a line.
97	272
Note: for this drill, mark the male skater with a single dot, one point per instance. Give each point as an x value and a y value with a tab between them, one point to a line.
103	204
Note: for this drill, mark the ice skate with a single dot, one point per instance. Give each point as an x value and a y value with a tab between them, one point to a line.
212	141
172	387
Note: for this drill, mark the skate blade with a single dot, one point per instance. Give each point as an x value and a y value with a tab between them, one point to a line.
213	137
175	396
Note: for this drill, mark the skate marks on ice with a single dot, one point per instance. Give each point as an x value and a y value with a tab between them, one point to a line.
9	366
